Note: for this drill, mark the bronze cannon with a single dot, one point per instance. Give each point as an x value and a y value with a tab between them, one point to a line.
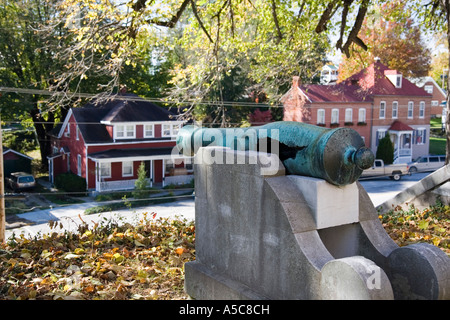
338	155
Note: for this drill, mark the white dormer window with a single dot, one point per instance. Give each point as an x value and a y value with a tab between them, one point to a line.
398	81
149	131
170	130
395	77
166	130
428	89
125	131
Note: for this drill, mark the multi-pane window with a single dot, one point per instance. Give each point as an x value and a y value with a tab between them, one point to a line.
166	130
335	116
125	131
382	109
148	131
321	116
381	133
127	168
169	130
362	115
410	109
175	129
422	109
348	115
394	110
105	170
420	135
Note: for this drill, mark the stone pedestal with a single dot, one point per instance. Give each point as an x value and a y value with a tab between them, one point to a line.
263	235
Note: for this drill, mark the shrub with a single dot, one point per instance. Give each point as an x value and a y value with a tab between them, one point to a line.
385	150
141	184
71	182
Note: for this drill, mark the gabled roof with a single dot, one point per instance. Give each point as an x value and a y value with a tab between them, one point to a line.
6	150
363	86
421	81
92	118
400	126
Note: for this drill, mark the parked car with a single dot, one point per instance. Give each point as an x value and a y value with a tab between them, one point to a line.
20	181
426	163
393	171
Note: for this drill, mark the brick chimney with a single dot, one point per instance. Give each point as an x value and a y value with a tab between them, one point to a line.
296	81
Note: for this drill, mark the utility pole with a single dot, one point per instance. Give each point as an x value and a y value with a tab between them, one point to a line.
2	189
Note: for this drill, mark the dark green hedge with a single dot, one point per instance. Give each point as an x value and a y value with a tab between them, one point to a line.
71	182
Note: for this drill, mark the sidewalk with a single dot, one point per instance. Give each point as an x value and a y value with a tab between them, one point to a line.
71	216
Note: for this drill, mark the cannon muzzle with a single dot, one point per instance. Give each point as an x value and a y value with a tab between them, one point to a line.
336	155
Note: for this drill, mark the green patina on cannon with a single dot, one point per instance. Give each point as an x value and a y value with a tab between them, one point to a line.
337	155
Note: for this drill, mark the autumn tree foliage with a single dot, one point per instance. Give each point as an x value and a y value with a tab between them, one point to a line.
397	41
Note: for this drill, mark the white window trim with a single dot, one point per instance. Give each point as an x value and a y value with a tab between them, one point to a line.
395	109
163	133
77	132
107	164
171	129
422	110
349	113
153	131
67	133
321	116
424	130
362	119
123	169
335	111
125	136
410	104
382	114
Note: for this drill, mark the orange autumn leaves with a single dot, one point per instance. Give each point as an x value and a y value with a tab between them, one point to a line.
109	261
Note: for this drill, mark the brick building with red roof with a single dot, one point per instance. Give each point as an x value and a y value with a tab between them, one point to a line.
373	101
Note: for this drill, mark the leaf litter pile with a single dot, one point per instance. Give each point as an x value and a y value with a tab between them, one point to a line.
105	262
431	225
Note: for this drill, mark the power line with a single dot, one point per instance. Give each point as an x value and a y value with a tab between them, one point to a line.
136	98
163	101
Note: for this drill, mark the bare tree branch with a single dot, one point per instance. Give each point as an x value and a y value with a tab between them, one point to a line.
194	10
326	16
353	36
275	20
172	22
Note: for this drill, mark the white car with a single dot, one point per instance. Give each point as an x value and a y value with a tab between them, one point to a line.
426	163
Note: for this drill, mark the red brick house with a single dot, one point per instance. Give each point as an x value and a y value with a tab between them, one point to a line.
106	143
373	101
439	96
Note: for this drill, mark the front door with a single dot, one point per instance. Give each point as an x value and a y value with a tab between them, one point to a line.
148	169
158	171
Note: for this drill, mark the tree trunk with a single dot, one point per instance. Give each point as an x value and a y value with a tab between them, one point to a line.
42	127
447	107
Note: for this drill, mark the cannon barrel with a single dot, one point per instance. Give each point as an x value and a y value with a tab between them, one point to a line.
337	155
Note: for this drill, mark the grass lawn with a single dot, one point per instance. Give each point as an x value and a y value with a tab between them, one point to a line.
437	145
436	123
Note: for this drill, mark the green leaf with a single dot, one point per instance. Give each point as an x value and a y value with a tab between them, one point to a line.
423	224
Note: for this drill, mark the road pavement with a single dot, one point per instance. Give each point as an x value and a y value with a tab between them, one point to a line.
70	217
382	189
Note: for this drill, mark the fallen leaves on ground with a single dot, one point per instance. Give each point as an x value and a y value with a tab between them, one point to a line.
431	225
109	261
